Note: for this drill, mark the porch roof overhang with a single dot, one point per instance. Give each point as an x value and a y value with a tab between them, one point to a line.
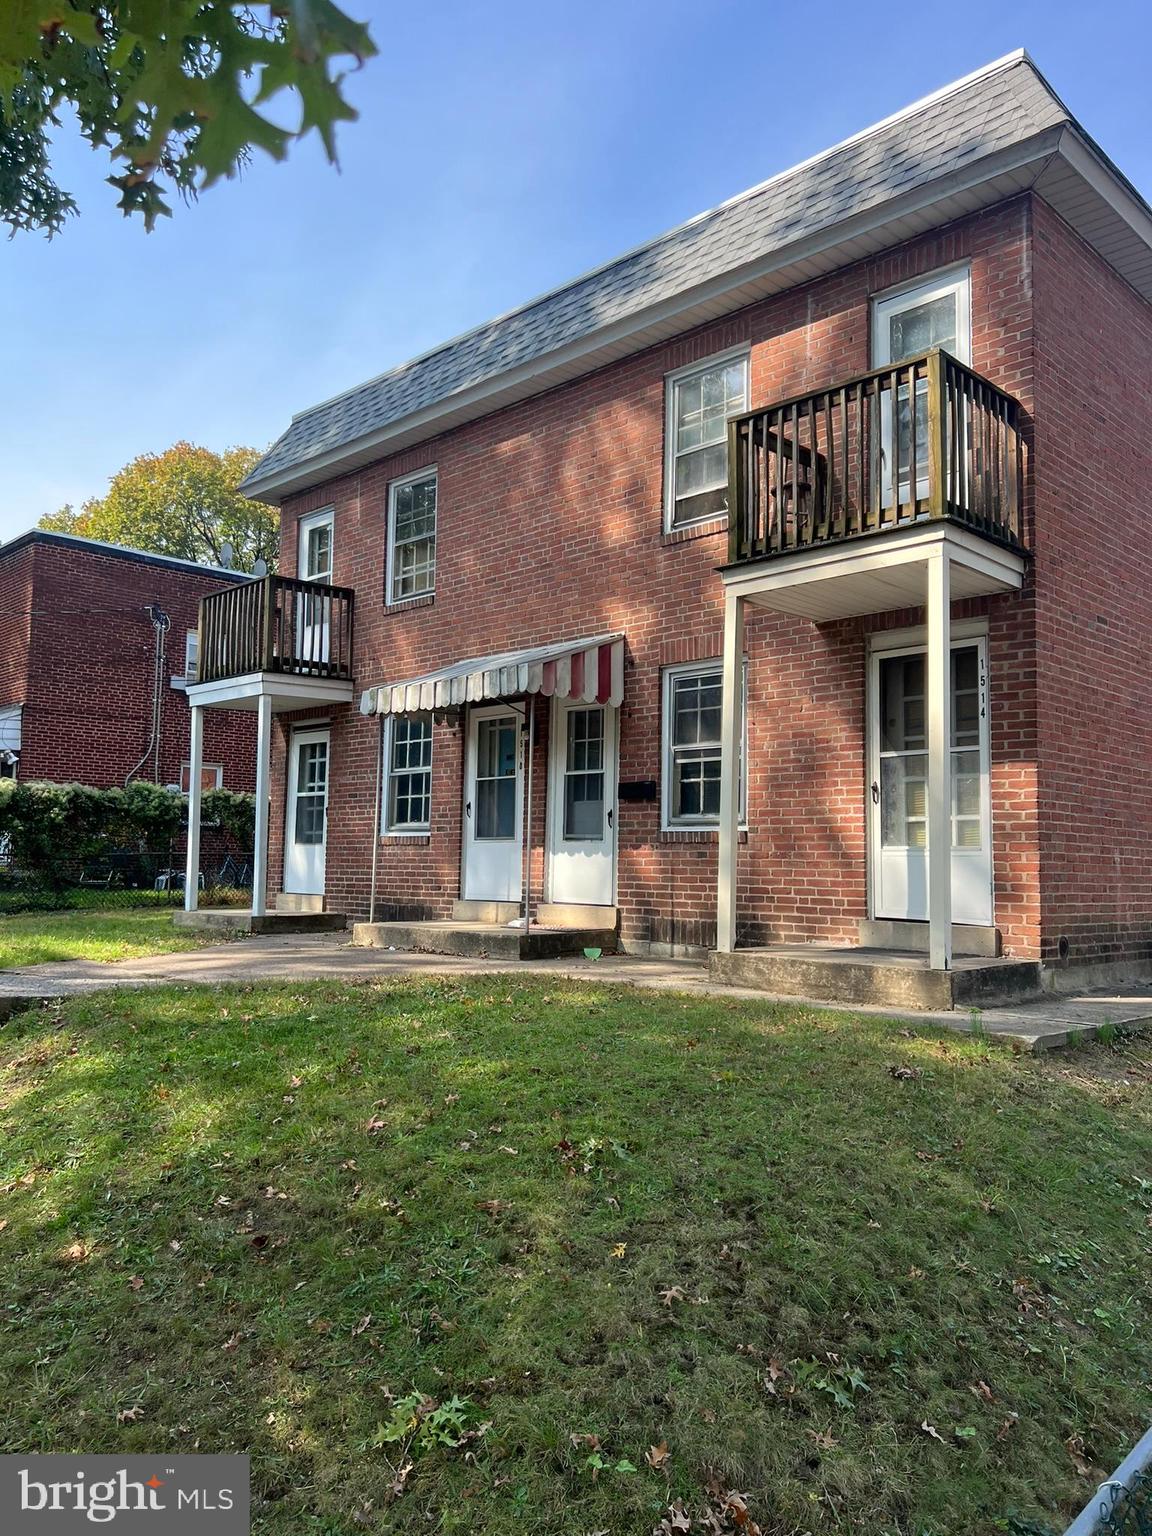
877	573
589	669
288	691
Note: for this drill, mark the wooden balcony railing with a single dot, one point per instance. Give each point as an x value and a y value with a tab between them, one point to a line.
275	624
841	462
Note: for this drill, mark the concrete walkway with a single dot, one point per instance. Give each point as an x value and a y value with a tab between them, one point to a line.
293	957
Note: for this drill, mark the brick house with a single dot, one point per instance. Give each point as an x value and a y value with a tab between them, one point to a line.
701	598
97	644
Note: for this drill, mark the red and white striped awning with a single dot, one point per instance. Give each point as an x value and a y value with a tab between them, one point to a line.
589	670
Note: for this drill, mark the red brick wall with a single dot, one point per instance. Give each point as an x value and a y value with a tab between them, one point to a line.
1093	600
88	691
550	516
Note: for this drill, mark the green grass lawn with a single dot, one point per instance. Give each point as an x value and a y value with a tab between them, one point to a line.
37	938
498	1257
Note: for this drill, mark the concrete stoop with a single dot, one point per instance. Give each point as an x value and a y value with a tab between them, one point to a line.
878	978
237	920
483	941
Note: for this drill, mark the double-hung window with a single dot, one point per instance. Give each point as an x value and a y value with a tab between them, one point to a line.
408	773
693	696
412	536
699	401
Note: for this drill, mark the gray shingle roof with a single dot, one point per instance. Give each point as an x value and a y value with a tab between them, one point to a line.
993	110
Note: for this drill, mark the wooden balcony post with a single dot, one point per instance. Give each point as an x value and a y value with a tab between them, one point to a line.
937	434
195	790
267	619
737	492
939	689
731	739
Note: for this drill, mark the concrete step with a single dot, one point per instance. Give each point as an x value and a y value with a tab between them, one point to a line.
889	979
485	911
892	933
483	941
298	901
569	914
237	920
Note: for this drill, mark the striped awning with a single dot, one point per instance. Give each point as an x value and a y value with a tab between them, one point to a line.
591	670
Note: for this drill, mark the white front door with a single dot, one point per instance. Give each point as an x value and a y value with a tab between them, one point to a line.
582	804
306	821
313	612
898	790
493	806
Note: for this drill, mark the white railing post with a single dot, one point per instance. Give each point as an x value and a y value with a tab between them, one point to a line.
731	736
263	794
939	689
195	788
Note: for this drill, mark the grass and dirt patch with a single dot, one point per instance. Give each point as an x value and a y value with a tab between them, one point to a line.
43	937
492	1256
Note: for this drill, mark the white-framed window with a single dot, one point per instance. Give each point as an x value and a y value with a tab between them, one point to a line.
934	311
407	773
412	536
690	744
698	402
211	776
191	654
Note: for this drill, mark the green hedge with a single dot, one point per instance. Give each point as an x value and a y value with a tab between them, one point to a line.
47	827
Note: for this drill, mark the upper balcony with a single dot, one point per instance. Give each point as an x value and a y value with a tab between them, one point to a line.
275	635
841	464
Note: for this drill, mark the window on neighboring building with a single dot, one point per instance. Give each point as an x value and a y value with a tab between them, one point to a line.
691	745
700	400
408	773
412	536
211	776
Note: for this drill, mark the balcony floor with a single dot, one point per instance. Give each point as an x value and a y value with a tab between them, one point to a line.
287	691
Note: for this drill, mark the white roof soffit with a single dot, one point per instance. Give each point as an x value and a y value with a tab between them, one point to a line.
1060	163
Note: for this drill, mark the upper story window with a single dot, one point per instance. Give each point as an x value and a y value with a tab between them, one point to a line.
191	654
699	401
935	312
693	695
314	547
412	536
408	773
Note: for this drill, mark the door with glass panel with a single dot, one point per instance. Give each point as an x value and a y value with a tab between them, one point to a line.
582	804
906	324
493	806
306	821
899	785
314	611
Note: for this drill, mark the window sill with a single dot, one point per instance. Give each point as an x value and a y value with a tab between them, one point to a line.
703	530
425	600
419	839
697	835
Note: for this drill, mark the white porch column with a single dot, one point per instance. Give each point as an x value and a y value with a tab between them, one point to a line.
263	792
939	689
731	735
195	789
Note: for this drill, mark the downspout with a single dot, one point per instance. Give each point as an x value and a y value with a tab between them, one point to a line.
376	817
530	711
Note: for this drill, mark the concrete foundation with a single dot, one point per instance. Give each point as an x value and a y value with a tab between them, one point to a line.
483	941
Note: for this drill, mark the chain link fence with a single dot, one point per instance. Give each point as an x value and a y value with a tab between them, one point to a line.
122	879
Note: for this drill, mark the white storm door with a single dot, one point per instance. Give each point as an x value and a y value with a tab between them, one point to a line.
898	791
906	324
314	613
493	806
306	821
582	804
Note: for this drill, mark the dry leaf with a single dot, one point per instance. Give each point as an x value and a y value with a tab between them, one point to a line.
657	1456
619	1250
673	1293
930	1429
1074	1445
361	1325
135	1283
398	1484
231	1342
130	1415
822	1439
676	1521
983	1391
903	1074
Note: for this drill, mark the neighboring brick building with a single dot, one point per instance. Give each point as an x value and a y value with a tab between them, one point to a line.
92	678
557	484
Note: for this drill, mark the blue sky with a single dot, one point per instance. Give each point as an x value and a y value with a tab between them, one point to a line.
501	150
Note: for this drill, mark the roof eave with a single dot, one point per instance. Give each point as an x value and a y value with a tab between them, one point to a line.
835	245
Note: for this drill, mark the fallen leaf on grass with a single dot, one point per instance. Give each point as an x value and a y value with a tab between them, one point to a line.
135	1283
231	1342
492	1208
374	1124
676	1520
673	1293
362	1325
657	1456
821	1438
1074	1445
130	1415
619	1250
932	1431
904	1074
398	1484
983	1391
